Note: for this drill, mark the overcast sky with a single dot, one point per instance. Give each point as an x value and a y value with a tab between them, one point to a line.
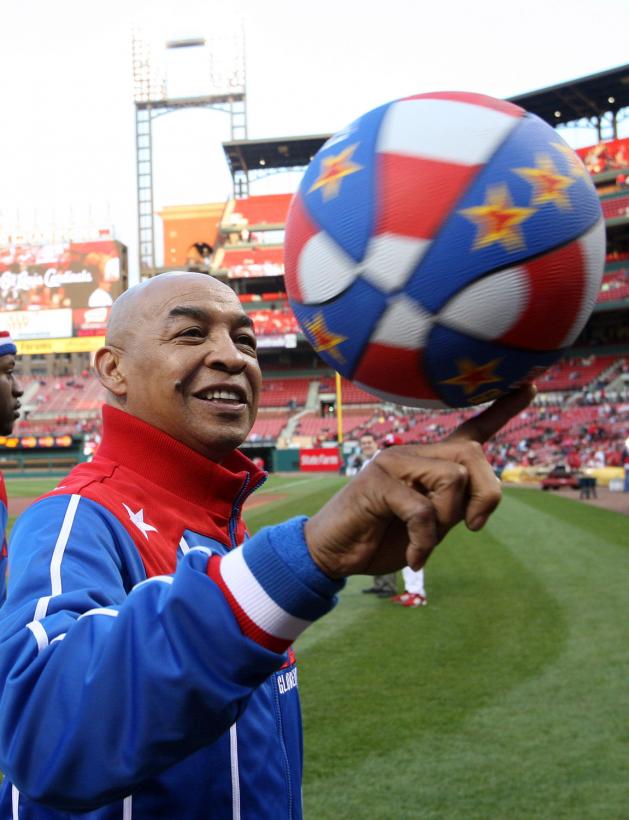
67	145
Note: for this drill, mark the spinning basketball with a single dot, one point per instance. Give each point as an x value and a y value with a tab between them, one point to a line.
444	248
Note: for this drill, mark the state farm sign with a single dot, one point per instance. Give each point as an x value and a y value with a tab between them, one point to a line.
324	458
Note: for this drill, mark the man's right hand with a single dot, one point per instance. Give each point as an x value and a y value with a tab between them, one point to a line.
402	504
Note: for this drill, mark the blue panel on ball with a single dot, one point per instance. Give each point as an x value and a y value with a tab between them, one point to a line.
468	371
339	330
532	196
339	186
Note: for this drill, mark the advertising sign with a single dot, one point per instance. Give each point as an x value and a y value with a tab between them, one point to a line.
38	324
35	442
82	344
90	321
320	459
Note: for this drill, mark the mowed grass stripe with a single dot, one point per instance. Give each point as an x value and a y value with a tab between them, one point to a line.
491	701
283	483
302	498
29	487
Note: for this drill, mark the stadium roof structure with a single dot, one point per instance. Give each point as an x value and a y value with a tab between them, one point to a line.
585	98
272	154
590	98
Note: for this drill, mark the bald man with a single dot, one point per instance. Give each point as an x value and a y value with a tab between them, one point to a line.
146	667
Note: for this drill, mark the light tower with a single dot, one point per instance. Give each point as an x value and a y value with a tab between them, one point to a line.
224	61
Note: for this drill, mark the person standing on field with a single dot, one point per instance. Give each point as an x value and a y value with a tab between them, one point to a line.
384	586
414	593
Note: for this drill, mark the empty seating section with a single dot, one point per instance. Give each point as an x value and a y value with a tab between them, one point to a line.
615	207
267	296
268	426
68	394
313	424
269	322
283	392
572	374
615	286
350	393
260	210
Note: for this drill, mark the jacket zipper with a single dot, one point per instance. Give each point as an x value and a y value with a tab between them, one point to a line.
233	521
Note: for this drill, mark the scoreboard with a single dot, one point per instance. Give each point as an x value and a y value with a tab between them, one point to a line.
56	298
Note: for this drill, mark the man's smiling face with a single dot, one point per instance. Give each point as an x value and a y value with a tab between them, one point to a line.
187	359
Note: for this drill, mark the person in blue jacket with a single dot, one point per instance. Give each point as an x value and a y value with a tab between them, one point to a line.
146	668
10	393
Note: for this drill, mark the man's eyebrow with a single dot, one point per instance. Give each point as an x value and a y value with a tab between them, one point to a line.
244	321
202	316
190	312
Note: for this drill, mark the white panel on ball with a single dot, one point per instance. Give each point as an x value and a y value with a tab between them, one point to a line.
403	324
390	260
490	307
416	128
324	270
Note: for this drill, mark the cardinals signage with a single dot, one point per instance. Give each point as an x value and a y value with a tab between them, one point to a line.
62	276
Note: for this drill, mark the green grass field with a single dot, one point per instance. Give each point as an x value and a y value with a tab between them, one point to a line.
505	697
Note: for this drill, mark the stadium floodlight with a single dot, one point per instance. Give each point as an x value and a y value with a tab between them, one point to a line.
189	42
222	76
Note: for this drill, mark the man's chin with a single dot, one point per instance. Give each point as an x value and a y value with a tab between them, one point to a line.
220	444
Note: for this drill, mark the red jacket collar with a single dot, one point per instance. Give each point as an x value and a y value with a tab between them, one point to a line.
163	460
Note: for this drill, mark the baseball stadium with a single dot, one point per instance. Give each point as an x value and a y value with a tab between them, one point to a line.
505	696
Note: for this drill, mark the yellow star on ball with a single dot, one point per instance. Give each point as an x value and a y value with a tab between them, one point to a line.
498	220
322	338
548	184
333	169
471	375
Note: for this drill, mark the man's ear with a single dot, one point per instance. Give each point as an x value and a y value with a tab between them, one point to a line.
107	363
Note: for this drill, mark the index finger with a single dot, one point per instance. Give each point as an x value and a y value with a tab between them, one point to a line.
486	424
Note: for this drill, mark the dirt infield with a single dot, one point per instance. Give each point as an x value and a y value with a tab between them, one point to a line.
263	500
18	505
618	502
605	498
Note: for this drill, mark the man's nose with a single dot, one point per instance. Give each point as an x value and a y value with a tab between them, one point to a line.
225	355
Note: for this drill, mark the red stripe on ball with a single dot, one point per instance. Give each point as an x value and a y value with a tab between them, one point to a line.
554	299
417	195
394	370
299	229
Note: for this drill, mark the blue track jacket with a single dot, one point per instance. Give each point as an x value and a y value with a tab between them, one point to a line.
4	517
145	661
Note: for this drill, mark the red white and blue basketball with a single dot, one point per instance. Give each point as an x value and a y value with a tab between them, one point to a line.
443	249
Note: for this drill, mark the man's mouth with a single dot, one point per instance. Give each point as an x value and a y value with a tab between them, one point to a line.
222	396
